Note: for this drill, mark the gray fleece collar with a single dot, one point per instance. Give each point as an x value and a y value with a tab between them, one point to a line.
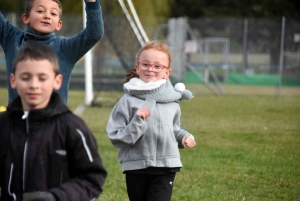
161	91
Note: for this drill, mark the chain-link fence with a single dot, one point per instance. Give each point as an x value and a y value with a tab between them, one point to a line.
254	43
247	50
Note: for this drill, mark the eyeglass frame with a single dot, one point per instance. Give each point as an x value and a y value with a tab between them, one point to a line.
151	65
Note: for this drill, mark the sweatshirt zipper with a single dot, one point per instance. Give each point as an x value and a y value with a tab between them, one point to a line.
25	116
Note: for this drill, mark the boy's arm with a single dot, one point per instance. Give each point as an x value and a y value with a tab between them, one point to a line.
7	32
79	44
86	171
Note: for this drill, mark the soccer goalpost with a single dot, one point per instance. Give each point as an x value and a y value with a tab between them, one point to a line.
139	32
174	38
142	38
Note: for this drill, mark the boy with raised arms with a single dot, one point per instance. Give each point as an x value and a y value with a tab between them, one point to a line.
43	18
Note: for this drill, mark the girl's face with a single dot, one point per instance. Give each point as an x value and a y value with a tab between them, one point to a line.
44	17
153	56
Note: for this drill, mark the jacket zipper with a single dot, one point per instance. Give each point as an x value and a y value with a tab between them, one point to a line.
25	116
24	165
61	176
9	184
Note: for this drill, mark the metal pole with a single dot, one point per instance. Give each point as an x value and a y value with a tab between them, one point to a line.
137	33
189	66
88	69
281	56
14	19
245	41
137	21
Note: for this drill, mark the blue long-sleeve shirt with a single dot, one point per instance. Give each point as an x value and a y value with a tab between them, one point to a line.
69	50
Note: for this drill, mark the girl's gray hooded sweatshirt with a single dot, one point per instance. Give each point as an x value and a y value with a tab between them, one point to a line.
155	141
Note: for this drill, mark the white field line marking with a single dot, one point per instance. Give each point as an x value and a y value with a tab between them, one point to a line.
79	110
105	99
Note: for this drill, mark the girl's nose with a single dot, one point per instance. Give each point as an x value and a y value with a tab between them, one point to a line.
151	67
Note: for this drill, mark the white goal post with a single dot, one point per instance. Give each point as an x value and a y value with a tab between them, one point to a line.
139	32
89	94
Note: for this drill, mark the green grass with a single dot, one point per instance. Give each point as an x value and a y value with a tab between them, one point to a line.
248	147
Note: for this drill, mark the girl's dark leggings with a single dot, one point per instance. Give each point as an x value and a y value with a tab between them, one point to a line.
150	187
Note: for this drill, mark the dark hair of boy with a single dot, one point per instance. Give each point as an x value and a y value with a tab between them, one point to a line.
36	51
28	7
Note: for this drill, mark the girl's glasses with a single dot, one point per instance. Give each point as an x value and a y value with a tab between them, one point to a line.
155	67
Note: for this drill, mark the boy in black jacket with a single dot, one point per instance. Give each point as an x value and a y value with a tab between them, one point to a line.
47	153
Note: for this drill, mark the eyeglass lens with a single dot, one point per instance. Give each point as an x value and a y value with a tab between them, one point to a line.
155	67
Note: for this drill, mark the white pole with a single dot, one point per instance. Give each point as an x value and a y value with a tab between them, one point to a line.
88	69
281	55
137	21
245	43
14	19
138	35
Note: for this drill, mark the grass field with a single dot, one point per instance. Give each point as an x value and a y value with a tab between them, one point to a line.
248	145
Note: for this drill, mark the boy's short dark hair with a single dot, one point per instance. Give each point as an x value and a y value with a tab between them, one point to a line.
28	7
36	51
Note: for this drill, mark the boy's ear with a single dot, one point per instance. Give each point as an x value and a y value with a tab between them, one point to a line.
12	81
25	19
57	82
59	26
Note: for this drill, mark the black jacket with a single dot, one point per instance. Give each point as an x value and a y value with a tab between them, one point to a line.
51	150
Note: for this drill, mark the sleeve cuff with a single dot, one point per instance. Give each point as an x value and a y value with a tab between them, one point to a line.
187	133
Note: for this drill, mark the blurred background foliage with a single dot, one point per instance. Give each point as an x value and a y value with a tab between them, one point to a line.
181	8
235	8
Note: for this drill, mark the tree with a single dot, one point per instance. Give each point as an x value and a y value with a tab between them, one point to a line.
235	8
16	5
